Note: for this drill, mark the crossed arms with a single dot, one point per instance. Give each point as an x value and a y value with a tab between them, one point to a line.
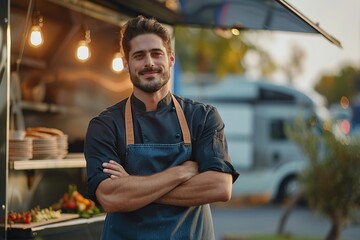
181	185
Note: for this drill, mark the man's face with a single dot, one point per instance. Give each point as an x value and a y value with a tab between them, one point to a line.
149	63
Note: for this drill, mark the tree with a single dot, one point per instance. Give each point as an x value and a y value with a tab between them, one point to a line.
331	182
203	50
294	65
343	83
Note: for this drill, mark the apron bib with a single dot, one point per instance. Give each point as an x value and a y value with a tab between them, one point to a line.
158	221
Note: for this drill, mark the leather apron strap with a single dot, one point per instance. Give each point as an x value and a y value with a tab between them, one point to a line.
129	127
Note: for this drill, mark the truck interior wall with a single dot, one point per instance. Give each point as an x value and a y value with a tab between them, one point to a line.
43	188
57	91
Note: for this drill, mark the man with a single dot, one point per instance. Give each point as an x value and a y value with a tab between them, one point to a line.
154	160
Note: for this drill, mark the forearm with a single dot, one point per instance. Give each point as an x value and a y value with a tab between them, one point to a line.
206	187
132	192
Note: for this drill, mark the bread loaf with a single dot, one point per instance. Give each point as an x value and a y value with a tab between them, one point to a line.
43	132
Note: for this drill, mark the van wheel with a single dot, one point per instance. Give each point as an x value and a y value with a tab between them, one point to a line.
288	188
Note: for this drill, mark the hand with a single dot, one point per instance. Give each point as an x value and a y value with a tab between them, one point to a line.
191	167
114	169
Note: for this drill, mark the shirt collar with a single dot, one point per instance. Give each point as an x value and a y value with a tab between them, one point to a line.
138	105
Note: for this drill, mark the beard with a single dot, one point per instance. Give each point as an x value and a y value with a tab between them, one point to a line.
150	84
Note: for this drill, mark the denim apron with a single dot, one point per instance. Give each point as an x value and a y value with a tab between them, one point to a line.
158	221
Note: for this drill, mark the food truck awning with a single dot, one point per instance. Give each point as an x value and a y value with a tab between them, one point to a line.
64	20
273	15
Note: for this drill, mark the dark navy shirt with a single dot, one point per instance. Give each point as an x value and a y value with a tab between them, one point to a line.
105	138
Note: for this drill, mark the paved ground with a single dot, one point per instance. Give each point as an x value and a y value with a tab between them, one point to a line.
264	219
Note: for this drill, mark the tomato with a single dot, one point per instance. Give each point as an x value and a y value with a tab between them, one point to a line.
16	217
26	217
71	204
12	217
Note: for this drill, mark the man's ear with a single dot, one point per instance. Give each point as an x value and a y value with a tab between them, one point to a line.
172	59
126	65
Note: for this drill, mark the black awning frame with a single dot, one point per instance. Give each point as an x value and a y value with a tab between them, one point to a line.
157	9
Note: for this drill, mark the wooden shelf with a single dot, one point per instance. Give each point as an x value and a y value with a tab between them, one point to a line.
47	107
74	160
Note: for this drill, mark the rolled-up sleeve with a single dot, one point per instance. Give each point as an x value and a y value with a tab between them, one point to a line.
99	147
211	150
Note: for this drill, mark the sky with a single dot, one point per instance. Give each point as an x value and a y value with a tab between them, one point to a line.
339	18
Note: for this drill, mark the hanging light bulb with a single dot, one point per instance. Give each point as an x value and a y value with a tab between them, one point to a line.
36	37
117	62
83	51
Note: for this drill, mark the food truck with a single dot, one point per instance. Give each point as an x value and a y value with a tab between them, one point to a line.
50	87
255	113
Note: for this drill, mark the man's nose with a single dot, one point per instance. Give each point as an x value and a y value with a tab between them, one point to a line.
148	60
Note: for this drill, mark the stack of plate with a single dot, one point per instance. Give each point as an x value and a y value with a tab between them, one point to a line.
45	148
62	146
20	149
48	142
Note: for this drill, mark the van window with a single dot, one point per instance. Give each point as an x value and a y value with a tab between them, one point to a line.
274	95
277	131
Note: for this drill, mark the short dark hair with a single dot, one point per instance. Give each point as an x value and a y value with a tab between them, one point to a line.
141	25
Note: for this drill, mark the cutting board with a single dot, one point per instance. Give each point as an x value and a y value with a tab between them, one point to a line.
64	217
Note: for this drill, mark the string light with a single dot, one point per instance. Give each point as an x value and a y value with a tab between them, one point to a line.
36	37
83	51
117	62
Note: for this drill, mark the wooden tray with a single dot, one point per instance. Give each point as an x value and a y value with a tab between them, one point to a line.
64	217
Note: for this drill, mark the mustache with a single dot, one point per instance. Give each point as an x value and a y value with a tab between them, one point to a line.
150	69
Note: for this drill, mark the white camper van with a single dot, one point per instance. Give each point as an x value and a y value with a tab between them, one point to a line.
255	114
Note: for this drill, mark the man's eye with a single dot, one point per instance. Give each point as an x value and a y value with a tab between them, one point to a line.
156	54
137	56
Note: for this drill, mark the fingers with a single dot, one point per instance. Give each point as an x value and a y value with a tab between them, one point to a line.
114	169
192	167
113	176
191	164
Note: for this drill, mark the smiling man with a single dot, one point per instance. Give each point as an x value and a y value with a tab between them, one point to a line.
155	160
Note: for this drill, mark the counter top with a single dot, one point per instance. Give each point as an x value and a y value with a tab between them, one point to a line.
79	228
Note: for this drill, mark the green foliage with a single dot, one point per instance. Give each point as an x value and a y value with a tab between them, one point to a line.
294	65
201	50
343	83
331	182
